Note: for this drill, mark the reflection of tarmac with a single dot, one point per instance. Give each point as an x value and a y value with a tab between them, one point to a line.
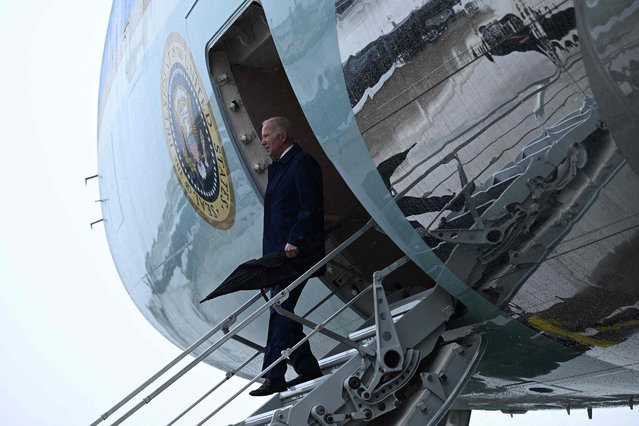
454	39
367	68
410	108
586	295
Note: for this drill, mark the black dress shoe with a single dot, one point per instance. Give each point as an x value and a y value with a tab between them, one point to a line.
304	377
269	387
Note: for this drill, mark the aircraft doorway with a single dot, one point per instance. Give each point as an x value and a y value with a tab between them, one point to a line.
252	86
251	82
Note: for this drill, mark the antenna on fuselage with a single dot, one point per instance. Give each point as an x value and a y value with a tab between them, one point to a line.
86	180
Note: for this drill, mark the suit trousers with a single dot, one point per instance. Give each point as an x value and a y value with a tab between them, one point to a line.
284	333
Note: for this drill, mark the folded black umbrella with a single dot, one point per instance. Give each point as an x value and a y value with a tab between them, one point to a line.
265	272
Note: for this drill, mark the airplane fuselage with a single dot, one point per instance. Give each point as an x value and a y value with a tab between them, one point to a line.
399	103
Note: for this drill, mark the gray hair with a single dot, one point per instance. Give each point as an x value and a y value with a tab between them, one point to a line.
281	124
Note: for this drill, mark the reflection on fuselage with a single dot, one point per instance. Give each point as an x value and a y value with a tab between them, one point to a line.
510	34
473	104
422	25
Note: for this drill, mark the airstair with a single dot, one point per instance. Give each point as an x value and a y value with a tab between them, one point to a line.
400	372
401	369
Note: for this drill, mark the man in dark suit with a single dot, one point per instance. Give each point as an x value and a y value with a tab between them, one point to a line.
294	224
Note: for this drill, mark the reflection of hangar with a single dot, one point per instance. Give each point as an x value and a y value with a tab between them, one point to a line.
422	26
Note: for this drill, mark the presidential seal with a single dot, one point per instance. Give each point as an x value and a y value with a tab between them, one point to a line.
193	139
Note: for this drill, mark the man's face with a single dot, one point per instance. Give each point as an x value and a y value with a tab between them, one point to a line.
274	140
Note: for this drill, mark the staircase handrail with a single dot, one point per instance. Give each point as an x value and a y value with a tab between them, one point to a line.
224	325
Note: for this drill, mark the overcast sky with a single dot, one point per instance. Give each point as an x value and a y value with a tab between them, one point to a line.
73	342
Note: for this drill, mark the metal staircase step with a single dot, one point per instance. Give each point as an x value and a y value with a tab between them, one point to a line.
337	359
301	389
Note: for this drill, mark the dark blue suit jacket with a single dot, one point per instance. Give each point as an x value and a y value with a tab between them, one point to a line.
294	206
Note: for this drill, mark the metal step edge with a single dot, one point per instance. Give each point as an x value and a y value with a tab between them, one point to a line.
336	359
301	389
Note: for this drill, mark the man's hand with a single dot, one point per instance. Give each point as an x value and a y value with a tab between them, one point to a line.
291	251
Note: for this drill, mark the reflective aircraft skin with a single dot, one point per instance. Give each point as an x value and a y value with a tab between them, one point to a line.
534	102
